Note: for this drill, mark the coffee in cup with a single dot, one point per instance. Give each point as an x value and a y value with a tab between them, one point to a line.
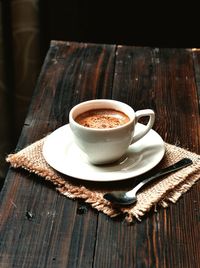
104	129
102	118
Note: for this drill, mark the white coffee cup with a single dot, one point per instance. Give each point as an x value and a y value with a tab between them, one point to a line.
103	146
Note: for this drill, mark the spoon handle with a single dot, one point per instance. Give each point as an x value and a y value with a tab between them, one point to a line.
178	165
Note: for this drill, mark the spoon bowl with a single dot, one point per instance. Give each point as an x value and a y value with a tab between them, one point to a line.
125	198
121	198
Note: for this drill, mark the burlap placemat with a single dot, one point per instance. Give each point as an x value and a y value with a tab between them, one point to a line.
160	193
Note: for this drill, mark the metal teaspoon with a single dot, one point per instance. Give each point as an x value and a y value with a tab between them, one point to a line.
130	197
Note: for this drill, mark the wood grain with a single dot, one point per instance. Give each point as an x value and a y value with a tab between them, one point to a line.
161	79
39	227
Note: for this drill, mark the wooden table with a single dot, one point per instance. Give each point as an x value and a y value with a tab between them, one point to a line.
41	228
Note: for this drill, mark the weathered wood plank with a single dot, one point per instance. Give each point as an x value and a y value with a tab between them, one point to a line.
71	73
164	81
38	226
196	57
161	79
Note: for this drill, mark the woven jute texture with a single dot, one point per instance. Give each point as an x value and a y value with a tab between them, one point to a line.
160	193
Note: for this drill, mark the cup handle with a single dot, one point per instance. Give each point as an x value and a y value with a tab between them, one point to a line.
138	115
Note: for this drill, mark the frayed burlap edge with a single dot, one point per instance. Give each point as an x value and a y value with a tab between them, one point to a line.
32	160
168	189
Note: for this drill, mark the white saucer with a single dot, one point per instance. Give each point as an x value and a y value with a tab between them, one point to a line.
62	154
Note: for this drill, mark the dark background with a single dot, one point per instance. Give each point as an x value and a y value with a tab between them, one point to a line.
146	23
